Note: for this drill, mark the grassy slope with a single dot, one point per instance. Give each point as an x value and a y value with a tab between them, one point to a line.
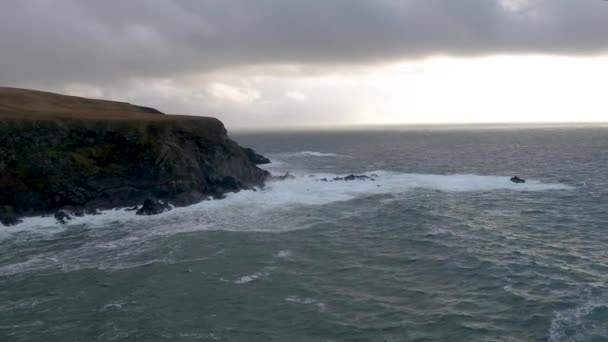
29	104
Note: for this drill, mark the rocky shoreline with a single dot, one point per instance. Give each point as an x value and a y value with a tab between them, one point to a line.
72	165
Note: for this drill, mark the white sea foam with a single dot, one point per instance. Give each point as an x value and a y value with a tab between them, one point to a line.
284	254
282	195
574	324
306	301
116	239
113	305
250	278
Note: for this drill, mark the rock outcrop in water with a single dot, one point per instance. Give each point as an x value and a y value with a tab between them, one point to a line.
69	155
351	177
516	179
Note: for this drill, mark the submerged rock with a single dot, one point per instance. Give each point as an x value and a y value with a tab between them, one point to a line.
287	175
516	179
62	216
153	207
349	178
8	216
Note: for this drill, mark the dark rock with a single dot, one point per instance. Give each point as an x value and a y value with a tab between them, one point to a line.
285	176
62	216
8	217
74	211
256	158
153	207
92	211
516	179
188	198
353	177
83	165
350	177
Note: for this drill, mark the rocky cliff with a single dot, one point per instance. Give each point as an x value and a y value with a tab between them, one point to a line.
81	155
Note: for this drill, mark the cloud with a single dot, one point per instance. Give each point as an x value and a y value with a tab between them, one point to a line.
230	93
47	42
296	95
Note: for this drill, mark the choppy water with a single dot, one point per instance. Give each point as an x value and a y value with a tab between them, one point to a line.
441	247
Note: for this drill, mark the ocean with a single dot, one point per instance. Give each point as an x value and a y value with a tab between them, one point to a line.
440	246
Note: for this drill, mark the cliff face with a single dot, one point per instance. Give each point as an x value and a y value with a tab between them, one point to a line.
50	162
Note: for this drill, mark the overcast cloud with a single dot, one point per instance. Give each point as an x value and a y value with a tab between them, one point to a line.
112	46
110	40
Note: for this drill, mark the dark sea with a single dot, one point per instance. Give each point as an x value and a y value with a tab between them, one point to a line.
441	246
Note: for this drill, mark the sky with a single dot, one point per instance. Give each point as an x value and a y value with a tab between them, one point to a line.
293	63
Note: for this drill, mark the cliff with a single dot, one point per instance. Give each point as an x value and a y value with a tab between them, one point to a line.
80	155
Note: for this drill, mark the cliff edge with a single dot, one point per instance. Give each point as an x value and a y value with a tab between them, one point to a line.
75	155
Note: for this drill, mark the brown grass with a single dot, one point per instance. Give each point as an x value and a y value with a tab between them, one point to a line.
16	103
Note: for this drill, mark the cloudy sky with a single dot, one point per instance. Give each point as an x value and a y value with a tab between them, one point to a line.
278	63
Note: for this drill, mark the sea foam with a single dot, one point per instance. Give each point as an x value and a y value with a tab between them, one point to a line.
117	239
305	189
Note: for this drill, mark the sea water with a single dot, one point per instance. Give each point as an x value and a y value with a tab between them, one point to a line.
440	246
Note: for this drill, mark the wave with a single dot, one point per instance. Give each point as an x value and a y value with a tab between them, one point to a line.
306	301
284	254
250	278
304	189
579	324
119	239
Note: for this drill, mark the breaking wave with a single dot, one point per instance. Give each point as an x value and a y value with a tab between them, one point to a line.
117	239
582	323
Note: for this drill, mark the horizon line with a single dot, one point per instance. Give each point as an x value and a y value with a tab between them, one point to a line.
405	126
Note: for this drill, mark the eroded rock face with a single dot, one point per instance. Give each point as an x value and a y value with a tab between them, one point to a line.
48	165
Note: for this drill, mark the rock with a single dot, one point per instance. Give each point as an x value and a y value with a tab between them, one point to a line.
352	177
285	176
153	207
74	211
112	158
92	211
188	198
256	158
516	179
8	217
62	216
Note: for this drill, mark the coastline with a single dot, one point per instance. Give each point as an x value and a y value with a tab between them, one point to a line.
68	164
